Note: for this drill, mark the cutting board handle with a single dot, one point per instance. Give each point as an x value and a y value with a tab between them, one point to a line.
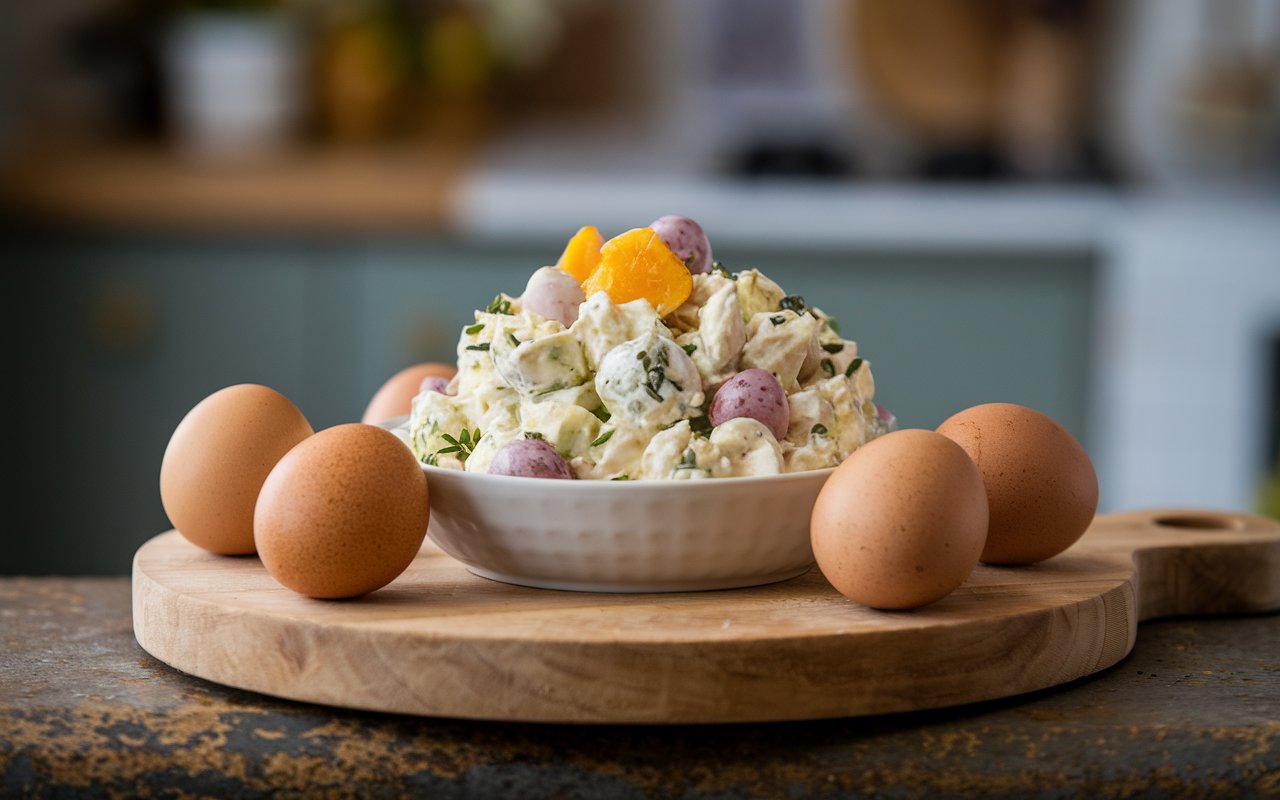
1193	561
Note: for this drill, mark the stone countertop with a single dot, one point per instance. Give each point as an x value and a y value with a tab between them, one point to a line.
1194	711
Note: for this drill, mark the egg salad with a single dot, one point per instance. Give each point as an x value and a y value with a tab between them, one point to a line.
621	391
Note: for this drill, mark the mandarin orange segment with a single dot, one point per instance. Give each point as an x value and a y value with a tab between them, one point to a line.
638	264
582	255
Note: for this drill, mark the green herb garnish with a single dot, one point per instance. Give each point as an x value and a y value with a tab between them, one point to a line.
511	337
601	413
716	266
602	438
792	302
700	425
483	346
688	348
833	325
853	367
818	429
472	330
623	477
500	305
833	347
828	367
463	444
534	435
778	320
689	461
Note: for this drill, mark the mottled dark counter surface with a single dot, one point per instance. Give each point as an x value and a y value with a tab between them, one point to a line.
1193	711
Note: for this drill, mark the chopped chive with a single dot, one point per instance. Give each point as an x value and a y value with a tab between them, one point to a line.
853	367
623	477
602	438
511	337
833	325
653	392
818	429
689	460
601	413
689	348
533	435
827	366
472	330
792	302
835	347
500	305
483	346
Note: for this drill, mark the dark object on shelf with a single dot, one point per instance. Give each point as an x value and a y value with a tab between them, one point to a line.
814	159
968	164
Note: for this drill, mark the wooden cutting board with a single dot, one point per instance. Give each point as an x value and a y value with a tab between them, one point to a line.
440	641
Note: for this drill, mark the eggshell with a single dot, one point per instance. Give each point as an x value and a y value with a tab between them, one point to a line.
1042	489
394	398
343	513
217	459
901	522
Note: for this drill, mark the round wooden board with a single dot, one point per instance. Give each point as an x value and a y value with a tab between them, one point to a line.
440	641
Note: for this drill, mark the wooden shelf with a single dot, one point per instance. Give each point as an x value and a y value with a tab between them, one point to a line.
374	191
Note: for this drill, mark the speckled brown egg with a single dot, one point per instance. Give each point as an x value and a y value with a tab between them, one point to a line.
1041	486
343	513
217	459
900	523
395	397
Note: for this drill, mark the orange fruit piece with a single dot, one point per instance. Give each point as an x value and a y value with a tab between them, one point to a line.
638	264
581	255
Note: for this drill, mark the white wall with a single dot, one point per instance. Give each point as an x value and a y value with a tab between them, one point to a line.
1189	299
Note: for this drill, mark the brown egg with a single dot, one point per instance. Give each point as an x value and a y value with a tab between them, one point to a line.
901	522
393	399
1041	486
343	513
217	459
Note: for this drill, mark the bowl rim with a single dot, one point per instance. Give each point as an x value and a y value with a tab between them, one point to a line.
595	485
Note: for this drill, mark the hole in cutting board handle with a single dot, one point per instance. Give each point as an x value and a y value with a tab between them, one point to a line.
1200	522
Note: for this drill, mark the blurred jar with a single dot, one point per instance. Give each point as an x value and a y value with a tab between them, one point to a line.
360	75
232	80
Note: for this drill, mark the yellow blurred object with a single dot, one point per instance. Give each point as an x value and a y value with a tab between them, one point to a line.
360	78
456	55
1269	495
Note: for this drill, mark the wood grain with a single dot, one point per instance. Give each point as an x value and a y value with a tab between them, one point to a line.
440	641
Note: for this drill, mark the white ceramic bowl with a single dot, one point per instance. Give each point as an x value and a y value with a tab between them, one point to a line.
625	536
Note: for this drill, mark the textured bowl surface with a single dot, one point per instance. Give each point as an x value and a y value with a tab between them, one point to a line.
626	536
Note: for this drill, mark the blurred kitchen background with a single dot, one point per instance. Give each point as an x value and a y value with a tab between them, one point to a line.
1067	204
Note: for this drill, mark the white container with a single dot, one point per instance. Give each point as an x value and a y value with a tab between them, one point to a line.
233	84
626	536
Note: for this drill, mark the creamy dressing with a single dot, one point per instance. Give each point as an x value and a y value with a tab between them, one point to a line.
622	394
